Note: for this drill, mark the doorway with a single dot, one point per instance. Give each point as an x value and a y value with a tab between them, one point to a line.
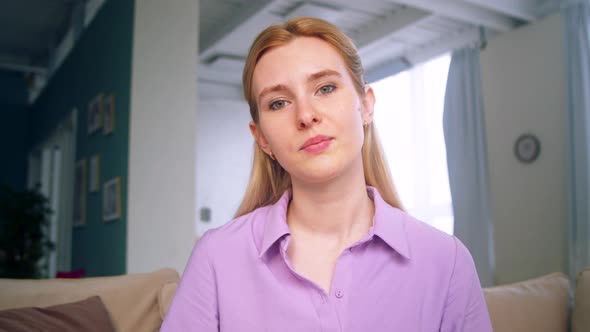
51	167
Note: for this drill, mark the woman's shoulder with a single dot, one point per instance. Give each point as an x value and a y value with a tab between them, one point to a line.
431	244
413	237
422	233
240	231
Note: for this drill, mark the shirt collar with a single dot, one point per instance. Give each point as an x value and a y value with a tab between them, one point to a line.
275	225
388	223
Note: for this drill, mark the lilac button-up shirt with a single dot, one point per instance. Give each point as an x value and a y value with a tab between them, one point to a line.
403	276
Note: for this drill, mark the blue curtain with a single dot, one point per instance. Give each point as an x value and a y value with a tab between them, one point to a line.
576	22
465	139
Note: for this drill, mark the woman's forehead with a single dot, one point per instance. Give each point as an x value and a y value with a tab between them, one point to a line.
295	62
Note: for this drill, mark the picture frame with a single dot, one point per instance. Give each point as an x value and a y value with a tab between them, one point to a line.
79	215
95	110
94	174
109	115
111	202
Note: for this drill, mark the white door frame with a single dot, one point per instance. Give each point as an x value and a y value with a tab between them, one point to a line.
51	164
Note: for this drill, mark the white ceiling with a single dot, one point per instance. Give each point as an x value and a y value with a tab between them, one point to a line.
29	29
391	34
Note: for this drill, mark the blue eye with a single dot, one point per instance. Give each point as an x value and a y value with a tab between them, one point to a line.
327	89
278	104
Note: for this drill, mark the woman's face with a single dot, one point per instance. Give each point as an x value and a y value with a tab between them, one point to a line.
310	114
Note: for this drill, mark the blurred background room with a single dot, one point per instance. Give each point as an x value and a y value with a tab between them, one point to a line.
127	116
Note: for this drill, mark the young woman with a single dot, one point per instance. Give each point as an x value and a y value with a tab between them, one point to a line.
321	242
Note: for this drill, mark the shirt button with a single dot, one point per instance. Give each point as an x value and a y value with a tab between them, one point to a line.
339	294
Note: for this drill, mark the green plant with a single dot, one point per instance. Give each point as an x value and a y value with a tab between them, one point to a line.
24	222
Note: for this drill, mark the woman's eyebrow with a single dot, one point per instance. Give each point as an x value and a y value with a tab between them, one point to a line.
274	88
311	78
322	74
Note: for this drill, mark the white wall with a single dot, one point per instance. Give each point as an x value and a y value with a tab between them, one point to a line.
224	146
162	146
523	86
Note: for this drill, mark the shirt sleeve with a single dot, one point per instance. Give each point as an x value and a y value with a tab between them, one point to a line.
465	309
194	306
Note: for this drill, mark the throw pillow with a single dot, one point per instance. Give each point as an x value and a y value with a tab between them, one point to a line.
87	315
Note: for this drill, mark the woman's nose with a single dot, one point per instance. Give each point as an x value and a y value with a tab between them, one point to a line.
307	115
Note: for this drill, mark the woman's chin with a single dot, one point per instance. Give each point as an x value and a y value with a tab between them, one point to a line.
317	175
323	169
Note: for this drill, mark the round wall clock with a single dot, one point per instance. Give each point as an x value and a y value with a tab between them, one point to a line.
527	148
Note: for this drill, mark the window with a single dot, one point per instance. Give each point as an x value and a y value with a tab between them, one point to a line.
408	116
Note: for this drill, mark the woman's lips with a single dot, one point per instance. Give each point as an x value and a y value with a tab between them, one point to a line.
317	144
318	147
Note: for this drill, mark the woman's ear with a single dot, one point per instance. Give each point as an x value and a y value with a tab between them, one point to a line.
259	137
368	105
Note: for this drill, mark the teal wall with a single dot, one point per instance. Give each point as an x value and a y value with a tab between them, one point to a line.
99	63
13	130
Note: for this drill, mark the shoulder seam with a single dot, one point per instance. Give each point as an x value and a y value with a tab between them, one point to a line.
206	247
450	281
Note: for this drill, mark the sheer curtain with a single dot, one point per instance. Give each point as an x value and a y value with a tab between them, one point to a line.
465	137
408	116
576	18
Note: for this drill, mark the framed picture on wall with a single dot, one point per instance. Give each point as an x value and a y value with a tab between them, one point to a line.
80	193
111	200
94	173
109	114
95	109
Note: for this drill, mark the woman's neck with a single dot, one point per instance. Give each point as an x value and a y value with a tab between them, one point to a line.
339	211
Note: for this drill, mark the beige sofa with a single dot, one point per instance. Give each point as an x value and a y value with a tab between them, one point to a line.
581	310
139	302
546	303
135	302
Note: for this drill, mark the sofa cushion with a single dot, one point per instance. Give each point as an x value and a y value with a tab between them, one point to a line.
539	304
88	315
131	300
165	297
581	312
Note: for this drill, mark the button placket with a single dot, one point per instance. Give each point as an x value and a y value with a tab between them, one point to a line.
342	273
322	298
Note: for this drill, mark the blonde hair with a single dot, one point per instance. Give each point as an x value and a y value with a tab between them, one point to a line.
268	180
